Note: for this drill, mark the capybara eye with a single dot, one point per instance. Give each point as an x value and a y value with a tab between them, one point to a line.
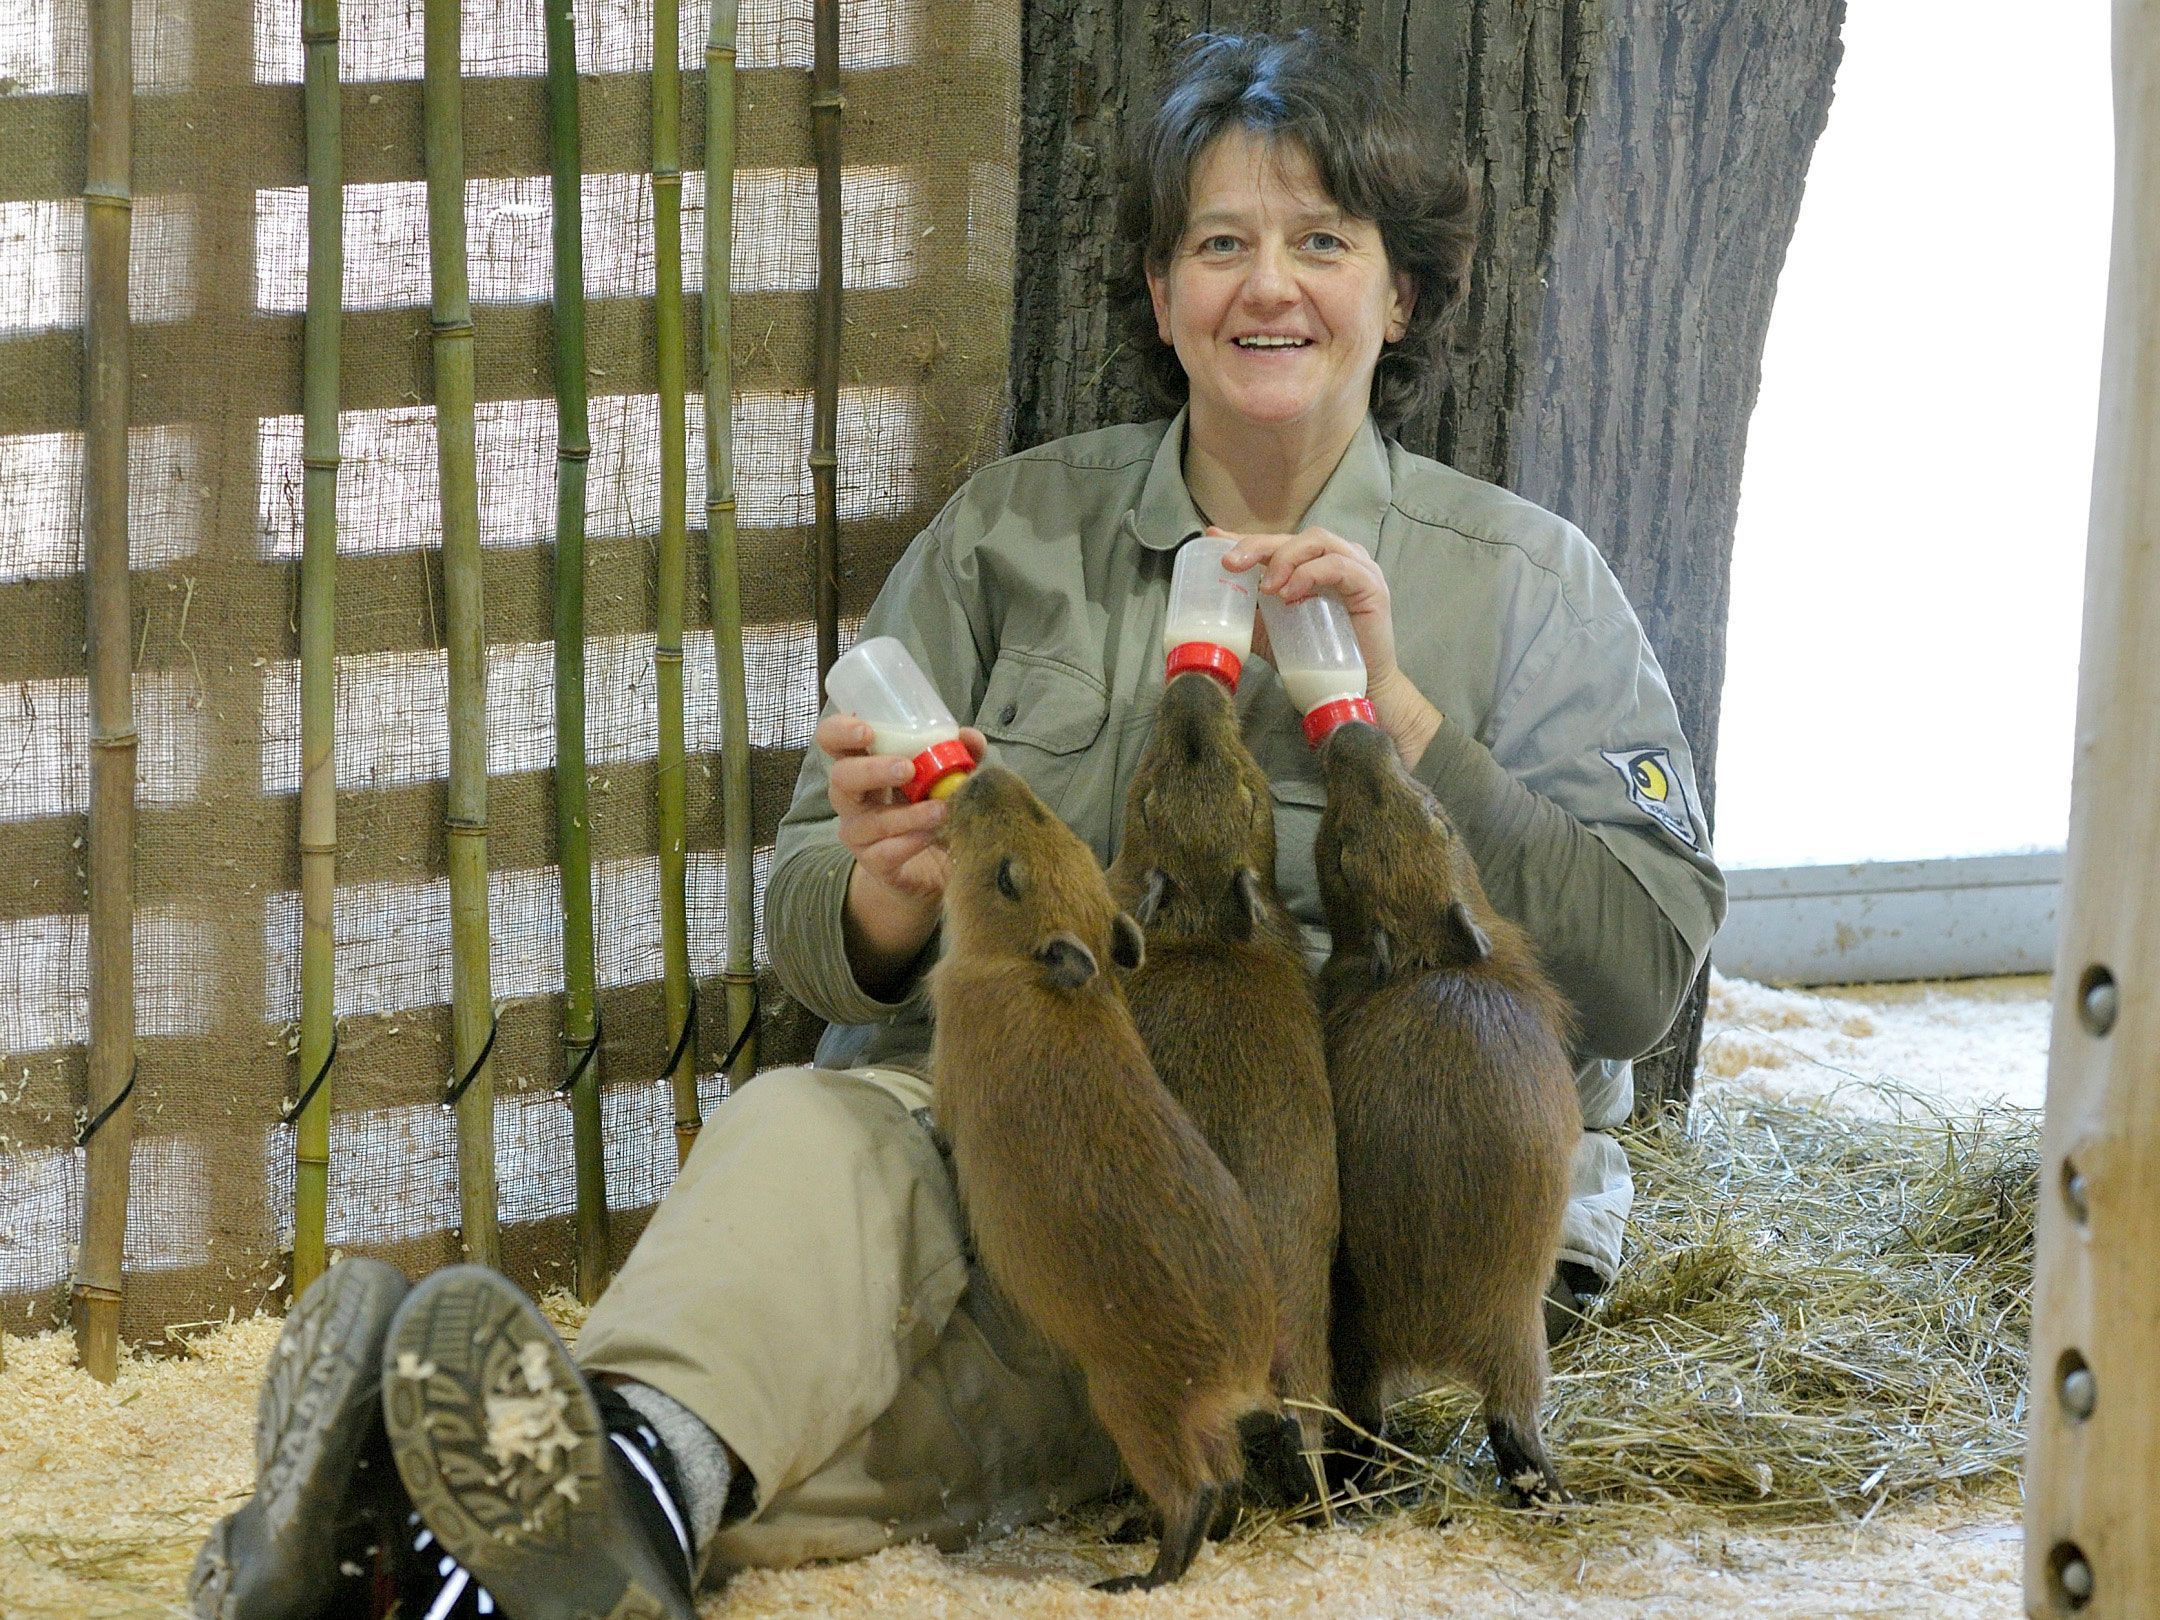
1007	880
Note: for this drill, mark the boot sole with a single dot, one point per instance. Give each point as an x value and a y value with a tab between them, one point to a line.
503	1450
318	1406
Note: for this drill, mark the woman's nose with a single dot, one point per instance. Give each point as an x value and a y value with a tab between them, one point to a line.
1270	281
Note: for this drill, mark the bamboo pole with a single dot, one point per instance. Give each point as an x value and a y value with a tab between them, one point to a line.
109	1124
573	823
721	556
826	104
2092	1542
318	640
677	990
472	1088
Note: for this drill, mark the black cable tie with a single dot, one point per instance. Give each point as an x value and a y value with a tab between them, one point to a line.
457	1091
82	1137
586	1051
307	1094
742	1036
682	1041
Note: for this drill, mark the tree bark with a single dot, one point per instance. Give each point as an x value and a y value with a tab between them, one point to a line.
1640	165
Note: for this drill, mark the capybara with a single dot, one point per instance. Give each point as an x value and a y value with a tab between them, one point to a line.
1226	1005
1455	1112
1096	1204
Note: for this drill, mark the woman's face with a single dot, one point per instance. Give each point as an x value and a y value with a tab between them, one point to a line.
1276	301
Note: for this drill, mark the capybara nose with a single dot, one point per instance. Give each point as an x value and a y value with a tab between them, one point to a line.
1354	749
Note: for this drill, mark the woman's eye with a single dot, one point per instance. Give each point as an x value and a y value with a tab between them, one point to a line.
1219	244
1325	242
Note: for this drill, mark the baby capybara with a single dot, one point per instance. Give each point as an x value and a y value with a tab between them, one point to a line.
1455	1112
1225	1004
1096	1204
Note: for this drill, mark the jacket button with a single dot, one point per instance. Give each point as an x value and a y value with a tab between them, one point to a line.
1009	714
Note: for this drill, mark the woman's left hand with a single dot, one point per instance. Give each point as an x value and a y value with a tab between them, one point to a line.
1293	566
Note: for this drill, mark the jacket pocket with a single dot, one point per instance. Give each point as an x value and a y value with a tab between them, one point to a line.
1299	799
1037	703
1043	719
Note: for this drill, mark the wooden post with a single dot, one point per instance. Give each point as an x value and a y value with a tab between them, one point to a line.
319	372
472	1088
826	104
573	819
109	1124
722	557
2092	1541
670	771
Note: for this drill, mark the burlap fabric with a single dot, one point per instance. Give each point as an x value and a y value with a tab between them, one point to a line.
219	251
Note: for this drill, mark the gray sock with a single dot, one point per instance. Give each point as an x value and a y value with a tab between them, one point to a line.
701	1461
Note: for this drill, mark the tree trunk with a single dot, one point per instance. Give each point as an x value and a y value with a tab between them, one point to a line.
1640	166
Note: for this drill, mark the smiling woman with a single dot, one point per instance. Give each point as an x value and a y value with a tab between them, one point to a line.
1277	305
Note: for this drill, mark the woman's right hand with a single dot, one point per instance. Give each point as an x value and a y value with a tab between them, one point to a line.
893	842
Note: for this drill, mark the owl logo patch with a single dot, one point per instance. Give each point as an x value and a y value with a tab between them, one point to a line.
1655	789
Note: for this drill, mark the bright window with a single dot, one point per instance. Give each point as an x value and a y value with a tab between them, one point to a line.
1908	577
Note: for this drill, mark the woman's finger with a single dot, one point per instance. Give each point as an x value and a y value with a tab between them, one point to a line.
1354	579
888	855
866	778
863	832
839	735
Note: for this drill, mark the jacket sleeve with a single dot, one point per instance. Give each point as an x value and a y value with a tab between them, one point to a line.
1580	807
938	616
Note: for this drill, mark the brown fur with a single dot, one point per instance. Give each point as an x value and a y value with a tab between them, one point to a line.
1096	1204
1226	1005
1455	1111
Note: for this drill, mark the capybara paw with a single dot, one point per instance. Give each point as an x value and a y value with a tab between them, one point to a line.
1541	1492
1127	1583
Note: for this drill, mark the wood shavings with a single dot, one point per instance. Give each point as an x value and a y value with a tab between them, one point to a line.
105	1493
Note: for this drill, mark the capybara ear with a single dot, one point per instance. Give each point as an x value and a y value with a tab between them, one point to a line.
1383	958
1128	946
1071	963
1469	935
1158	883
1251	909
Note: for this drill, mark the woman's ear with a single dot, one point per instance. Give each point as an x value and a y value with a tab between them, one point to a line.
1404	306
1158	291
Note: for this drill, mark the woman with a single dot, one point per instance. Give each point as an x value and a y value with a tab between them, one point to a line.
1297	251
800	1342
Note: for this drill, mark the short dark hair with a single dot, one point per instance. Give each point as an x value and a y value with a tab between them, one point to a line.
1371	157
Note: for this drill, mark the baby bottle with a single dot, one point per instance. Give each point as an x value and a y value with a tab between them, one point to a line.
1317	657
878	681
1209	626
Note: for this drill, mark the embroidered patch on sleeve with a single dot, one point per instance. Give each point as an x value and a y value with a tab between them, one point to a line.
1655	788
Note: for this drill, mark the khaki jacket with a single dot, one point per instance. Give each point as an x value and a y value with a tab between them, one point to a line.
1035	603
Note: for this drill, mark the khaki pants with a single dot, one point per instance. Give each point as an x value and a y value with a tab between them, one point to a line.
806	1289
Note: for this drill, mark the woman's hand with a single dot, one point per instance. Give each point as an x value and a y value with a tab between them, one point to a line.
894	841
900	869
1293	567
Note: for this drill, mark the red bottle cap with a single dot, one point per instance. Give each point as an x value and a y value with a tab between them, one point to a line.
933	765
1219	662
1333	713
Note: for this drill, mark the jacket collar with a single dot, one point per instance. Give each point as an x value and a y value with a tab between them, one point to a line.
1351	503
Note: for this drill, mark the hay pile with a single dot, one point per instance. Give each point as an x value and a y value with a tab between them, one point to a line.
1804	1399
1829	1313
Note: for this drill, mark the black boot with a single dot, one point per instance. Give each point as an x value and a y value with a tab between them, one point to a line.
1567	1301
510	1463
325	1494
